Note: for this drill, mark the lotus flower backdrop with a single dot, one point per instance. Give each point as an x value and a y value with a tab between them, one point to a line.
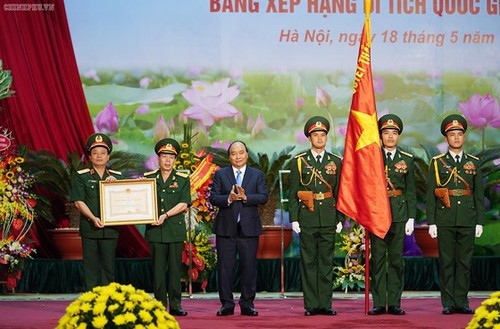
262	87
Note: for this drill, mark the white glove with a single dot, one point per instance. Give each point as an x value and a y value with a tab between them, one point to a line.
479	230
409	226
339	227
296	227
433	231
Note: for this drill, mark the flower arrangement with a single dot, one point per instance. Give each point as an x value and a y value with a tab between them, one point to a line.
352	274
488	314
200	181
17	201
187	158
12	257
13	254
203	258
116	306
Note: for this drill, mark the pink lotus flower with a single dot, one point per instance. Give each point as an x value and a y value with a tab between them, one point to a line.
378	85
144	82
92	74
341	130
106	121
142	109
481	111
160	129
300	137
210	102
260	124
323	99
221	145
152	162
299	102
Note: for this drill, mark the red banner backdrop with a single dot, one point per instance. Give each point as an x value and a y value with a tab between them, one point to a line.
48	110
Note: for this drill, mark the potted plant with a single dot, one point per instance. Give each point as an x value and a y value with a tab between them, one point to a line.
270	240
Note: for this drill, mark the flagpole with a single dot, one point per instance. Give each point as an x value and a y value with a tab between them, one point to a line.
368	5
367	271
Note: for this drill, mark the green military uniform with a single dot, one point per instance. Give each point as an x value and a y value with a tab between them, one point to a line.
387	266
98	244
167	240
317	235
455	223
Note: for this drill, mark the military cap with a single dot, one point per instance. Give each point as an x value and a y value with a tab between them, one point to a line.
453	122
99	139
317	123
167	145
390	121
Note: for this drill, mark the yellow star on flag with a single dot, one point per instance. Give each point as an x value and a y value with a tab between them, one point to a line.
370	129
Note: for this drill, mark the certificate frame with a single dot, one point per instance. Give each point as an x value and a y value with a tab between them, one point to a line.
128	202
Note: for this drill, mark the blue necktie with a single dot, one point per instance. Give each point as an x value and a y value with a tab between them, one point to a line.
238	177
238	182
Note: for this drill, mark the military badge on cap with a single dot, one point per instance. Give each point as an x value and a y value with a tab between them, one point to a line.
99	139
453	122
390	121
168	146
317	123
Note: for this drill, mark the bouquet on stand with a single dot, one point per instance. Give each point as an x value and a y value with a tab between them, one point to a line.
352	274
17	202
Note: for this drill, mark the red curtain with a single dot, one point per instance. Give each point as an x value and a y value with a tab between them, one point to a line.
48	110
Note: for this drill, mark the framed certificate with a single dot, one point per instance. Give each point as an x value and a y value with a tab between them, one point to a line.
128	201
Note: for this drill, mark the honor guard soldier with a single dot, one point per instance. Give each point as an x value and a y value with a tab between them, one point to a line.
98	242
387	266
166	236
314	183
455	213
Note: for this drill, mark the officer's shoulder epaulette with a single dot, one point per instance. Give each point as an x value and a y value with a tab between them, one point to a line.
472	156
299	155
116	172
336	155
150	172
406	153
181	174
83	171
439	156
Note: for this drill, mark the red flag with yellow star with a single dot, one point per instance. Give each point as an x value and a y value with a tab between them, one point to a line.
363	192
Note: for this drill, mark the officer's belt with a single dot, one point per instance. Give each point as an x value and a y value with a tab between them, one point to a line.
394	193
460	192
322	196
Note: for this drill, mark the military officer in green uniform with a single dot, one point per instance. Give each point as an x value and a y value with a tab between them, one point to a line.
98	242
387	266
314	182
455	213
166	236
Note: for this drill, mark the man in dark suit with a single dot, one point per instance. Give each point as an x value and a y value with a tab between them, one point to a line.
237	191
386	261
314	184
455	213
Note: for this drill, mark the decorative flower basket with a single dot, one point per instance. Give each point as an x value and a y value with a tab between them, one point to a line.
487	315
116	306
352	274
12	257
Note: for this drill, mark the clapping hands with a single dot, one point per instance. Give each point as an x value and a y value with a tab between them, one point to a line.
237	194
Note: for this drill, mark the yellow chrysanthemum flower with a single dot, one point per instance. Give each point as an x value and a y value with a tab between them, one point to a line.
103	303
99	321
